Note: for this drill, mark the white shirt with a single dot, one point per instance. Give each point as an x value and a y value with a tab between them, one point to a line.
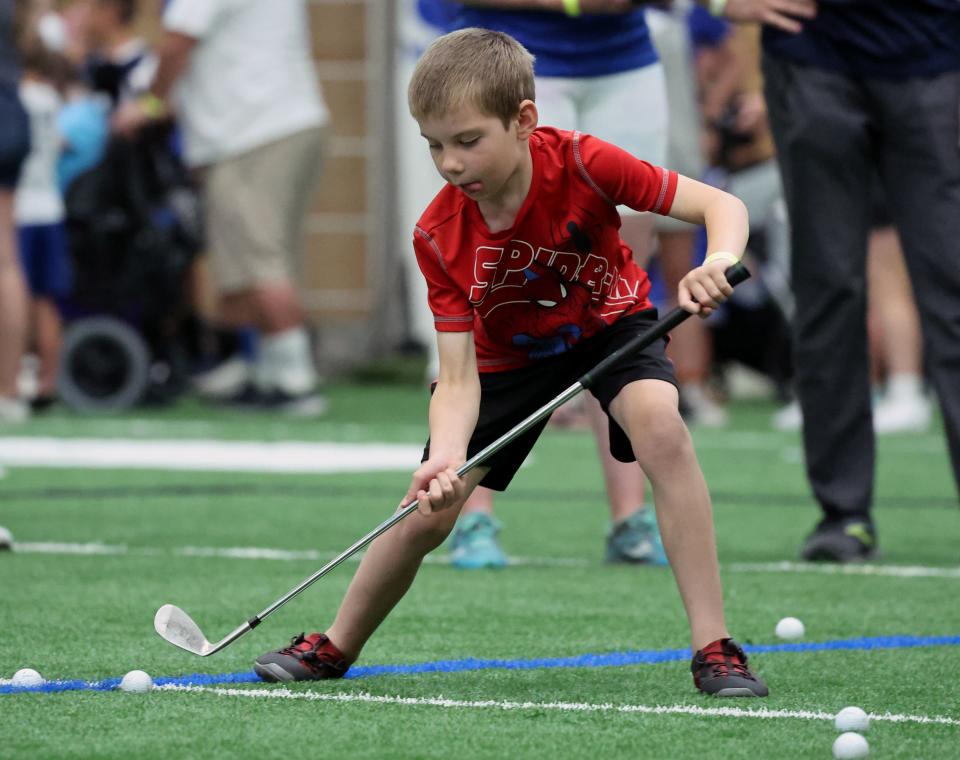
250	80
38	199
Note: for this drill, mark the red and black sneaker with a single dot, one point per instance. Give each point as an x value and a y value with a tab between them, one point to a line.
720	669
308	658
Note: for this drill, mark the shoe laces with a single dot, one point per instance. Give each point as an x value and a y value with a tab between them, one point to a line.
316	651
725	658
478	526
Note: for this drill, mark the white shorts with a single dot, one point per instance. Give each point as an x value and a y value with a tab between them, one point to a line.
627	109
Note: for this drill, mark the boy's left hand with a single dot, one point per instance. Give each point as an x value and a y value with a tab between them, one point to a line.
703	289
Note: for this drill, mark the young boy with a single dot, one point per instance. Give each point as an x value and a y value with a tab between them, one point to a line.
531	286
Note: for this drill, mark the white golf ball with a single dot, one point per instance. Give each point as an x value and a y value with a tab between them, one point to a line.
6	538
789	629
27	677
852	719
850	745
136	682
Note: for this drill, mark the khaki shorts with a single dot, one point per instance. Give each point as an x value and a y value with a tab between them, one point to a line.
256	204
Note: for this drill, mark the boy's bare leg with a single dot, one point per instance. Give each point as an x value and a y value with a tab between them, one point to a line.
387	570
648	412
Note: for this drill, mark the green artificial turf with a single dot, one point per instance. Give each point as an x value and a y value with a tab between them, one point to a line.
90	617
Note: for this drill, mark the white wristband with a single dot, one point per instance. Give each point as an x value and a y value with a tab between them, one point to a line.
732	258
717	7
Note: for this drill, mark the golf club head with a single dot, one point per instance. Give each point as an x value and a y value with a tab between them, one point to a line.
177	627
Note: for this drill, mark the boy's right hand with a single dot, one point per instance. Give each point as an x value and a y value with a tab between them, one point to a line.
436	486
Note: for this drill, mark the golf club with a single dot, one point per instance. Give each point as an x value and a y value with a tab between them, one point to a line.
178	628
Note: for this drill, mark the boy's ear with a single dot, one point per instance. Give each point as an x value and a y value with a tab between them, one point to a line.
527	119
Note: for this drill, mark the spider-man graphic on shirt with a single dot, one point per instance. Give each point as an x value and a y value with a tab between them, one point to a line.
560	273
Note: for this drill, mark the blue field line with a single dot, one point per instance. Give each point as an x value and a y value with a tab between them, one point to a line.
612	659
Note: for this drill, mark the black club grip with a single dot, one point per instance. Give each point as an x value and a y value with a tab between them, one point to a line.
735	275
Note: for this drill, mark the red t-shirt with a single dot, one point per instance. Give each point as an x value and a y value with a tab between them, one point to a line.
561	273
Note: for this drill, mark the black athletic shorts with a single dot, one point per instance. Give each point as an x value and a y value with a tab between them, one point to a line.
507	398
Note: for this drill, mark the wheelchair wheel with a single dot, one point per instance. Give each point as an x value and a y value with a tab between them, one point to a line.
105	365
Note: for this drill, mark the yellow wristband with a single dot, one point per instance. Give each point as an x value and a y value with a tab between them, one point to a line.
153	106
571	7
717	7
726	255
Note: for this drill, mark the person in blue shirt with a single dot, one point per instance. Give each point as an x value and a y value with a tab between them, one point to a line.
598	73
865	87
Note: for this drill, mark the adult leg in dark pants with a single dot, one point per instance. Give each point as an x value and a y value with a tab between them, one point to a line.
920	166
824	132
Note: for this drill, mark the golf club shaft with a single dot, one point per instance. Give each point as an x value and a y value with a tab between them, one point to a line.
735	275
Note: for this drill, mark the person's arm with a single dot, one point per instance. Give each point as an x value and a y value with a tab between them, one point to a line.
173	59
454	407
704	288
787	15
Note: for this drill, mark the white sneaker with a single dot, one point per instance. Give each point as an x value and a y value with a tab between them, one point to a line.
904	414
224	380
6	539
789	419
703	410
746	384
27	385
13	411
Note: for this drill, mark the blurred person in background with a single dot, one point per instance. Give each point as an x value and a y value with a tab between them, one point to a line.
865	88
40	214
752	331
14	147
240	78
118	62
678	32
419	22
597	73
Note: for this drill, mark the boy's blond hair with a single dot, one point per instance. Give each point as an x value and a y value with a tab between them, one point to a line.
488	70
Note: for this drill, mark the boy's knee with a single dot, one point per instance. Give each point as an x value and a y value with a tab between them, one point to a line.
427	532
661	437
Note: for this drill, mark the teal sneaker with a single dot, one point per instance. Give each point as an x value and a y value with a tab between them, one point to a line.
473	543
636	540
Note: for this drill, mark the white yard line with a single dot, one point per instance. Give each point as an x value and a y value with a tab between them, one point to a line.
97	548
209	455
246	552
585	707
893	571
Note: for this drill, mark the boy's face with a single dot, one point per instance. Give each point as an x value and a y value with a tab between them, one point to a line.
474	151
